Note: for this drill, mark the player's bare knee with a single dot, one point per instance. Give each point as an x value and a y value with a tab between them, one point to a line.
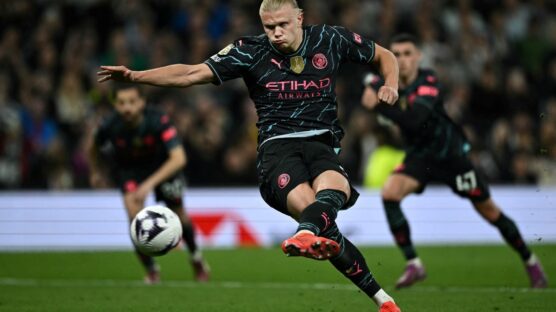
488	210
392	194
333	180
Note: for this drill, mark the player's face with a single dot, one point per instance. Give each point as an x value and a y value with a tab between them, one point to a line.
284	28
408	57
130	104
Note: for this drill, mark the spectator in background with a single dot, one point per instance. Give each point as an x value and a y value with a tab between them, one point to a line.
39	132
10	138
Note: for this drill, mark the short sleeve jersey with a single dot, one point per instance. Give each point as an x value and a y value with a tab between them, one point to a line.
437	135
143	148
293	92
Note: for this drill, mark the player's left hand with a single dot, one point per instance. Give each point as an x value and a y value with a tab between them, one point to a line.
141	193
388	95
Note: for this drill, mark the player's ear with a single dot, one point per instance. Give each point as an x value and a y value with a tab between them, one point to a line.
300	17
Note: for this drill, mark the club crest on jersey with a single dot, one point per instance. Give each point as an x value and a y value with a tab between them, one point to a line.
357	38
320	61
226	50
403	103
297	64
283	180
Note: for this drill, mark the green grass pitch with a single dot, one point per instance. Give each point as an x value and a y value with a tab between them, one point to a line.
461	278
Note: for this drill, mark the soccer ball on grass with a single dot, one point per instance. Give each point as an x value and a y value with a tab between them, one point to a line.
155	230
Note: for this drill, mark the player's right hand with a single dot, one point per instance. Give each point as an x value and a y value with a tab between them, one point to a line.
117	73
388	95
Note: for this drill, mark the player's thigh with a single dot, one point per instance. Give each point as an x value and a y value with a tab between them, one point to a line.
170	192
398	186
411	176
299	198
280	170
326	171
465	180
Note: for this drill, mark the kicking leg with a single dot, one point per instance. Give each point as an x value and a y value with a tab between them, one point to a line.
397	187
509	231
318	218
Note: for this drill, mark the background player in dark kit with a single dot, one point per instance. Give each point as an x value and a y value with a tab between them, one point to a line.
436	150
145	154
291	72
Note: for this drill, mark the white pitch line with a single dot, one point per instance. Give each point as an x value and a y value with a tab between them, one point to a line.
19	282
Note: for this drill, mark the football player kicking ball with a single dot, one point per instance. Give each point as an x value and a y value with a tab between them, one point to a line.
147	155
436	150
290	72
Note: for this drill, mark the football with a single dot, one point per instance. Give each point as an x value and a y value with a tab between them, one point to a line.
155	230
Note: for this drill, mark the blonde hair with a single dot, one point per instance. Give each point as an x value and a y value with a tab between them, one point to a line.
273	5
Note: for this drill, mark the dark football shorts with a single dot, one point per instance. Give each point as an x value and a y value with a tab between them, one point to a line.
283	164
458	173
170	192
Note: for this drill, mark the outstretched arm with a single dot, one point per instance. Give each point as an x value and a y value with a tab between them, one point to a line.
176	75
388	66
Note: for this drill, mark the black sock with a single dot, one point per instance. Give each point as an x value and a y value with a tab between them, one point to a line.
320	215
188	234
148	262
511	235
351	263
399	228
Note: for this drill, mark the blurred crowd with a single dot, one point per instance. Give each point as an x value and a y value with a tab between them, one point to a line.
495	58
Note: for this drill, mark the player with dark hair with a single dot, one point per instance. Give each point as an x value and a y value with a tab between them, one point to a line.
290	72
436	150
146	154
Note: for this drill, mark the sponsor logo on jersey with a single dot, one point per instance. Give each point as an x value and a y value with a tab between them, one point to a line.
169	134
357	38
216	58
226	50
275	62
403	103
427	91
320	61
295	85
283	180
297	64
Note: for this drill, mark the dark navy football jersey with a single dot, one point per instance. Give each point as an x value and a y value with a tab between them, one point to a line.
294	93
420	114
143	148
